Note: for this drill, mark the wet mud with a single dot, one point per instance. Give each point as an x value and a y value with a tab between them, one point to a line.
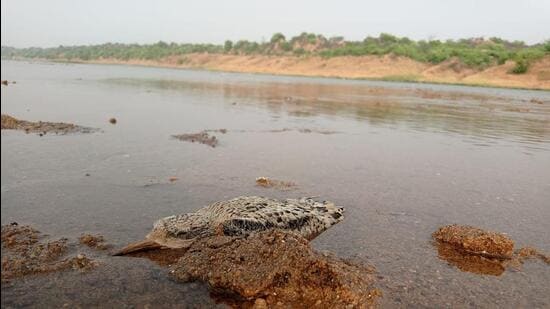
41	127
277	270
201	138
25	252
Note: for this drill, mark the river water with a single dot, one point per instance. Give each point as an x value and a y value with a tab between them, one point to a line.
403	159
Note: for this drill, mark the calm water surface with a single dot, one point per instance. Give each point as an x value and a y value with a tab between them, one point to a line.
404	159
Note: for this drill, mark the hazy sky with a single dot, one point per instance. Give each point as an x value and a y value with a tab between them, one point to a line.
69	22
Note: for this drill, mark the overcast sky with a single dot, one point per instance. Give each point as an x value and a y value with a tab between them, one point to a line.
48	23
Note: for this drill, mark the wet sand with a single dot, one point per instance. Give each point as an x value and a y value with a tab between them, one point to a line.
407	159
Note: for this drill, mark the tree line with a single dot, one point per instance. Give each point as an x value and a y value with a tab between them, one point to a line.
473	52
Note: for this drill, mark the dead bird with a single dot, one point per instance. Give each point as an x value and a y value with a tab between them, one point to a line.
240	216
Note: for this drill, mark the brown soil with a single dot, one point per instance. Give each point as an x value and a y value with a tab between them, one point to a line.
95	242
375	67
112	121
201	137
23	254
277	270
476	241
273	183
10	123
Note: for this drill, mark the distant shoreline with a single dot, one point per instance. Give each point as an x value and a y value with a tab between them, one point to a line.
381	68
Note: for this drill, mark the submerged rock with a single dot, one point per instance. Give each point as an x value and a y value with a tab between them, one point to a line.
477	251
476	241
276	269
472	263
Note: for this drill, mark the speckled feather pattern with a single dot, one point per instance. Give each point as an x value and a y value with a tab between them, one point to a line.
244	215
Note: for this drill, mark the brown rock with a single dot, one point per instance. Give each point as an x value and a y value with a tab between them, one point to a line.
476	241
276	267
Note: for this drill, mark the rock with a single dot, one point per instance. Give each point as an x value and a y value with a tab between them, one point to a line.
476	241
273	266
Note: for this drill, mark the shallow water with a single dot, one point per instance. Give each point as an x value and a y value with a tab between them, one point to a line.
404	159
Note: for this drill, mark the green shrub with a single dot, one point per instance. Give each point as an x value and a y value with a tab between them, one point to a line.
286	46
227	46
300	51
472	52
277	37
521	67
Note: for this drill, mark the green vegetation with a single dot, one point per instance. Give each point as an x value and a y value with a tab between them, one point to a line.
521	67
476	53
228	46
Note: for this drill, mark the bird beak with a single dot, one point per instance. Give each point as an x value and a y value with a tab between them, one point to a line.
143	245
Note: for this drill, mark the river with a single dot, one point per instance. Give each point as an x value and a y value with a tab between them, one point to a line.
402	158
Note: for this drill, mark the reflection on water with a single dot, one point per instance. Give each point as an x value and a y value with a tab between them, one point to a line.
470	114
469	262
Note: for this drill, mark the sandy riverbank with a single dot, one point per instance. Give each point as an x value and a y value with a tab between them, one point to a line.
362	67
